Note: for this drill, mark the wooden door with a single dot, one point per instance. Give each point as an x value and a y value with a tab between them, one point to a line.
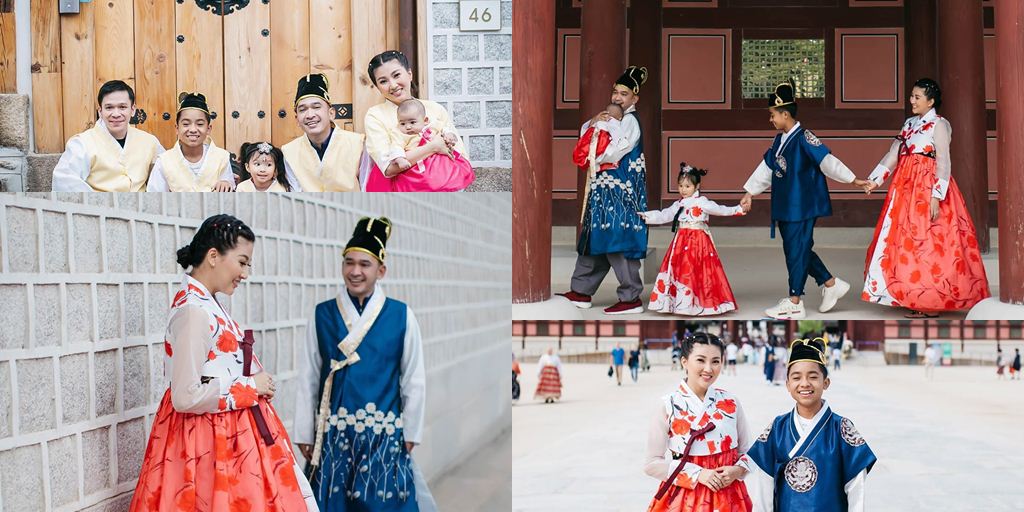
246	56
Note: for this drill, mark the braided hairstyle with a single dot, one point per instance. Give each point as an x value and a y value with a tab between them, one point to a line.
693	175
701	338
220	232
931	90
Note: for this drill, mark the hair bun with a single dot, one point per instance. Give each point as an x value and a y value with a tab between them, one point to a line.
185	256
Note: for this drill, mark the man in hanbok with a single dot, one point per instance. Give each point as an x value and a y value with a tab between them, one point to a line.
326	158
112	156
360	403
809	458
614	237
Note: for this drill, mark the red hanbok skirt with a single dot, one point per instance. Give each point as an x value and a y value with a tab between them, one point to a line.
217	462
917	263
701	498
691	280
550	385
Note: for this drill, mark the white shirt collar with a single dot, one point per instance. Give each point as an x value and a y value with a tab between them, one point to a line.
791	130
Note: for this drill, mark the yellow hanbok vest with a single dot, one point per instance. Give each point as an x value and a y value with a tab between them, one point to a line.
339	170
180	179
116	169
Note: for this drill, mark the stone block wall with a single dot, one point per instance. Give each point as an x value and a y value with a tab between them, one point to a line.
471	75
85	285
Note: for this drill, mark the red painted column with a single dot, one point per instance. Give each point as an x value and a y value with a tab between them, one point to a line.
645	48
1010	157
533	112
962	77
920	33
602	60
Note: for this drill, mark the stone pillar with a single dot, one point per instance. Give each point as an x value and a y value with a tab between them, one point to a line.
532	129
920	33
602	60
962	77
1010	158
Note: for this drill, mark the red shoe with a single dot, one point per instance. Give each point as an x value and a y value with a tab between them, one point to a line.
625	308
578	299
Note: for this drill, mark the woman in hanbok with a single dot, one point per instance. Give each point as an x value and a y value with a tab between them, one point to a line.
924	255
549	374
216	443
391	74
698	438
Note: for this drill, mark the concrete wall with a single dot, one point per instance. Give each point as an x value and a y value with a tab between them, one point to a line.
471	75
85	285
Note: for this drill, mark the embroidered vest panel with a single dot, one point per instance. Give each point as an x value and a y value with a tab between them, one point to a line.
339	170
180	179
114	170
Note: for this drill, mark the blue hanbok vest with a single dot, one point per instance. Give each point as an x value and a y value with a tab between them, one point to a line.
611	223
815	477
364	466
799	190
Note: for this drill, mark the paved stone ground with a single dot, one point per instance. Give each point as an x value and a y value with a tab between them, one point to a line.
757	274
479	484
951	444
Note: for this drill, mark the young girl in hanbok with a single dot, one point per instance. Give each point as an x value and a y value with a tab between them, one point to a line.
809	458
691	280
448	171
216	443
924	255
698	437
264	166
549	377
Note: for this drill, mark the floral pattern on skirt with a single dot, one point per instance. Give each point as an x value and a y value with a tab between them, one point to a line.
687	496
917	263
691	280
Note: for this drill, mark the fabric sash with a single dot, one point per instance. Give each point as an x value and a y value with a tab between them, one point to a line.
257	414
357	329
667	484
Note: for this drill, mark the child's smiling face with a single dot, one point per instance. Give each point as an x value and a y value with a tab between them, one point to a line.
262	169
193	128
806	383
687	189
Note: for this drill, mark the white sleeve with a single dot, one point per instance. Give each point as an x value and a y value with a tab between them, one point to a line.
583	129
228	175
744	438
619	147
663	216
713	208
943	135
761	488
414	380
306	401
836	169
885	167
855	492
293	182
156	182
759	180
656	464
72	169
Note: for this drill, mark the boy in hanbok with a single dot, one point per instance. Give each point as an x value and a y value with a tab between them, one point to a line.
697	438
594	142
448	171
795	167
809	458
194	163
691	280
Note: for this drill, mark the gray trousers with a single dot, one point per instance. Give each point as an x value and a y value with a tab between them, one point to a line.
591	270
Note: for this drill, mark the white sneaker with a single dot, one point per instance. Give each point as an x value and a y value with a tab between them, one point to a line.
831	294
786	310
